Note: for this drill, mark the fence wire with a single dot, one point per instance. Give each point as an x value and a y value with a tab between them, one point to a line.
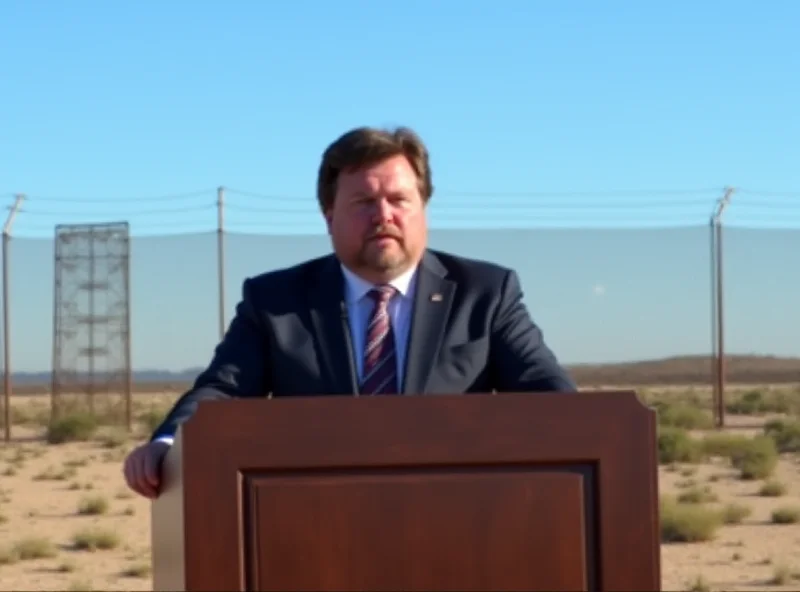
619	306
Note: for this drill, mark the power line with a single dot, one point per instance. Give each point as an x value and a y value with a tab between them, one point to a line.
769	205
435	206
124	213
698	192
767	193
166	197
597	193
276	213
489	206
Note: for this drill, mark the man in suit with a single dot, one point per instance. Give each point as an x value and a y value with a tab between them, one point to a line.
383	315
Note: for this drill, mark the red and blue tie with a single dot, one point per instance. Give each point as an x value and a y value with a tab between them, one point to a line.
380	358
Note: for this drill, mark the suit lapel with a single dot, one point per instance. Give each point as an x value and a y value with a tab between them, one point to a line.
330	322
432	302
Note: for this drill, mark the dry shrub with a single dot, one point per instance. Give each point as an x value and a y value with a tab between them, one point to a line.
785	433
687	523
757	460
676	445
75	427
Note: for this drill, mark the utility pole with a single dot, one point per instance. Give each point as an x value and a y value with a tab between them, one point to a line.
718	325
712	235
221	258
18	199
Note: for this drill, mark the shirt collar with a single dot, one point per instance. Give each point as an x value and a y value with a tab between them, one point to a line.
356	287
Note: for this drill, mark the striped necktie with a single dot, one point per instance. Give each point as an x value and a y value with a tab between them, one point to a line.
380	359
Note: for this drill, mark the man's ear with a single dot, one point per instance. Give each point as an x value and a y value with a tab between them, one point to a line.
328	216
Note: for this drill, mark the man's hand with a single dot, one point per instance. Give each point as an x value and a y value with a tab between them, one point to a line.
143	468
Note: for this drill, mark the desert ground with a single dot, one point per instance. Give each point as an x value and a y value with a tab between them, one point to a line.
730	498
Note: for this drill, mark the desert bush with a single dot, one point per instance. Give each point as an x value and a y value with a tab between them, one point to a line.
33	548
697	495
734	513
757	460
93	506
785	433
682	415
107	410
68	566
687	523
93	539
75	427
786	515
137	570
699	584
53	474
76	462
676	445
772	488
781	575
724	445
757	403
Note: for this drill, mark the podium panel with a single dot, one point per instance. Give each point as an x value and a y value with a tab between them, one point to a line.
452	529
504	492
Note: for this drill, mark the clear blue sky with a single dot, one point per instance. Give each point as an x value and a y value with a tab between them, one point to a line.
563	135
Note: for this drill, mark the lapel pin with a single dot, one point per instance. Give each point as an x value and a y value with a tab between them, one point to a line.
436	297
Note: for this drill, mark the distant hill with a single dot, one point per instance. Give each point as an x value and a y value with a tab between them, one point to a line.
668	371
689	370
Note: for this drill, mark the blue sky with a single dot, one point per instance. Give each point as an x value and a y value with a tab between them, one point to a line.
582	143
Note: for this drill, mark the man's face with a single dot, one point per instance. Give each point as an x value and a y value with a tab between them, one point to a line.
377	221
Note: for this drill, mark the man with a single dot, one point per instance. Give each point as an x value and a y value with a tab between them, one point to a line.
383	315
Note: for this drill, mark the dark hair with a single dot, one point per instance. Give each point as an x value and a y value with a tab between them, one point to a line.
365	146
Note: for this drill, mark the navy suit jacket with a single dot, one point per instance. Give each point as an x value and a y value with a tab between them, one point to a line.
288	337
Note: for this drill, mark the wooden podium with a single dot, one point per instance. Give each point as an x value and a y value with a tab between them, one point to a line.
438	492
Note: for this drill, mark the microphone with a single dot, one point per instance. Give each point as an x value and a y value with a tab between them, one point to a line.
350	352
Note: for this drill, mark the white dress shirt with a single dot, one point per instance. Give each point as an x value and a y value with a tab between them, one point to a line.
359	309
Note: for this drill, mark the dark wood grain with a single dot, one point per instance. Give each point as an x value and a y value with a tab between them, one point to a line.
481	492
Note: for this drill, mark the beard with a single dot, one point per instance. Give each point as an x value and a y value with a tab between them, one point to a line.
383	258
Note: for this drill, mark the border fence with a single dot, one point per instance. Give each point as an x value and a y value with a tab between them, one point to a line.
630	288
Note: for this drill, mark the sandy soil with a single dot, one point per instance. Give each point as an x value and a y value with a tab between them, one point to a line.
43	486
41	501
744	556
